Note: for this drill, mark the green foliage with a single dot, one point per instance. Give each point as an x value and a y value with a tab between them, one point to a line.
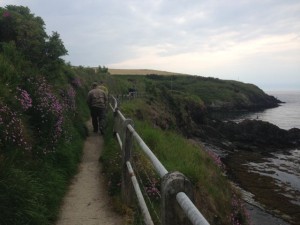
102	69
27	32
111	159
55	47
203	168
17	24
41	119
12	64
178	154
210	93
21	197
32	192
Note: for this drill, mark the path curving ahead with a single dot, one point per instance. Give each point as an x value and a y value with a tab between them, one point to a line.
87	201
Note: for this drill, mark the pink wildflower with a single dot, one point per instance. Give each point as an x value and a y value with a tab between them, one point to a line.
6	14
25	99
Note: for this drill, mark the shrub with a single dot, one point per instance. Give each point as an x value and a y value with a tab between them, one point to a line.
46	114
13	135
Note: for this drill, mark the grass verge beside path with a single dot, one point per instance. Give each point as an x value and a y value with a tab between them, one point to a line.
215	197
31	191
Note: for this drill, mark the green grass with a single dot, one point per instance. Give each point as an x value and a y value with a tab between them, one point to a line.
178	154
111	160
21	197
31	192
213	192
201	89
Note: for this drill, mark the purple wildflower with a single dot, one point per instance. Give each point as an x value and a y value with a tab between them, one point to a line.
152	190
12	132
6	14
239	213
24	98
49	111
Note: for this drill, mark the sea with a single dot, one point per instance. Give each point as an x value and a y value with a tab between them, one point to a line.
286	116
282	167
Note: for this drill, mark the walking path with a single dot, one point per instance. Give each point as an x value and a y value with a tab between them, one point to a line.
87	201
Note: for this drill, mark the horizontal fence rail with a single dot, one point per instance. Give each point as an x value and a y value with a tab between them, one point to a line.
130	96
190	209
160	169
175	187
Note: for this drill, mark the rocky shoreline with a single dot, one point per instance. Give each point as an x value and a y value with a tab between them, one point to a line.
194	113
249	135
250	141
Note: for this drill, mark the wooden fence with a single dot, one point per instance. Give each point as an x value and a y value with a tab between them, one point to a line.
176	204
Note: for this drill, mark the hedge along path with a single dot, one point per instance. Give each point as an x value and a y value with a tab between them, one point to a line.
87	201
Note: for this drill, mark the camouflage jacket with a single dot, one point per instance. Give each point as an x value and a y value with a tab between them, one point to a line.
97	98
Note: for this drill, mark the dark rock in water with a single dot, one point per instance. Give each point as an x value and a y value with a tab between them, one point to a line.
251	135
294	135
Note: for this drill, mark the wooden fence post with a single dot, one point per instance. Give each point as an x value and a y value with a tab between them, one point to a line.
127	190
171	213
115	114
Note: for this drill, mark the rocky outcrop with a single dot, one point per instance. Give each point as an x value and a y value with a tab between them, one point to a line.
245	102
252	135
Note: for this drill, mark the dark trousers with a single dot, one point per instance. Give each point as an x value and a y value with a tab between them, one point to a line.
98	118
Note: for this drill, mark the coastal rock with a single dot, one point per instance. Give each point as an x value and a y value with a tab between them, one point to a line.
251	135
243	101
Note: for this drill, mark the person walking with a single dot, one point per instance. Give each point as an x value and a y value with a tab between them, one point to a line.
97	102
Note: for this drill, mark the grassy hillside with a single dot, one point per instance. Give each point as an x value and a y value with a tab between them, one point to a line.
170	109
42	114
215	197
215	93
186	102
139	72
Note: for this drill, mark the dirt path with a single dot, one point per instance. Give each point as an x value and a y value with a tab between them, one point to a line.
87	202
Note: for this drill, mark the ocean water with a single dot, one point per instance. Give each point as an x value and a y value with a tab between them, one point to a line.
286	116
282	167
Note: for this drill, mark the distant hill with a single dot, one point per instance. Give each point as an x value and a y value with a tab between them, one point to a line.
141	72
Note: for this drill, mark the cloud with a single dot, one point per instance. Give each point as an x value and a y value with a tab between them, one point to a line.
215	38
220	49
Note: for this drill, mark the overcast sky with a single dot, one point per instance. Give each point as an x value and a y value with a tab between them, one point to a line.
253	41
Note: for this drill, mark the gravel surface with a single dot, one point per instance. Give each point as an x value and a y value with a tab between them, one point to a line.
87	201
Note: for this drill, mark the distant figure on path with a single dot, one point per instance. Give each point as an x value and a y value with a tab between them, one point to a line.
97	102
132	92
